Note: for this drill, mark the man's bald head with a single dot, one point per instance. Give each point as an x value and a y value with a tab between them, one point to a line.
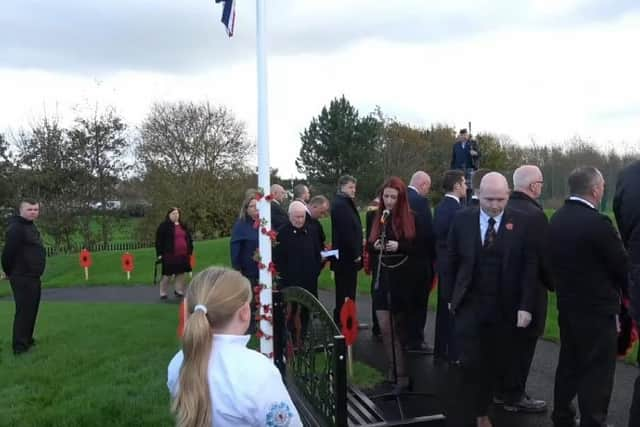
278	193
297	213
528	180
422	182
494	193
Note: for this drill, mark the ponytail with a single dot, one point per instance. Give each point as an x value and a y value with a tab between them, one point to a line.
192	404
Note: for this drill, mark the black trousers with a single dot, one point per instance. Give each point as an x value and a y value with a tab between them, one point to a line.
346	284
586	368
444	344
482	356
417	319
26	295
522	349
375	328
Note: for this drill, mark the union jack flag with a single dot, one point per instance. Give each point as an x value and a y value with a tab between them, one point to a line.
228	15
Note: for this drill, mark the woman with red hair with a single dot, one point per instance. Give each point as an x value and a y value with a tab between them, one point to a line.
393	241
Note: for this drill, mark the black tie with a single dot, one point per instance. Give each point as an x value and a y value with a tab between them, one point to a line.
490	235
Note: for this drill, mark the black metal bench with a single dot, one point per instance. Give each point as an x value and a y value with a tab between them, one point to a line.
312	357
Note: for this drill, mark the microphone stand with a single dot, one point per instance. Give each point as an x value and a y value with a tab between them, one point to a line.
397	392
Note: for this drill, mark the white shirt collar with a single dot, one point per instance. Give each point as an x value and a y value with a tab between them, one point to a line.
484	218
456	198
241	340
580	199
414	189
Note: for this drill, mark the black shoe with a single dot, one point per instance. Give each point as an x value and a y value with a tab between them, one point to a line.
163	296
498	400
178	294
526	405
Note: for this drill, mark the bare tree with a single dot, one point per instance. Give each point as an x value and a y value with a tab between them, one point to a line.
186	137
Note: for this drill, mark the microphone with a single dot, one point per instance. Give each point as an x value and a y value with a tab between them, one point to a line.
384	216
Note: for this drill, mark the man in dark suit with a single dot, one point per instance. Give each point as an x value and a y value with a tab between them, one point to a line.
279	216
493	264
590	267
626	206
455	188
417	191
301	193
527	185
317	209
346	237
463	155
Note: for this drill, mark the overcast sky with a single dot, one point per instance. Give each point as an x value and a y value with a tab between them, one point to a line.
541	70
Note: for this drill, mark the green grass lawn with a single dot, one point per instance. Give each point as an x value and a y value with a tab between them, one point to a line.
97	364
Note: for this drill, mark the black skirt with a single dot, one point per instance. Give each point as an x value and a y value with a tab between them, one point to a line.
178	265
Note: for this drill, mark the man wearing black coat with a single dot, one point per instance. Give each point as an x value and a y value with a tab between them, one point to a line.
297	254
279	216
346	237
527	185
317	209
455	187
590	267
417	191
493	265
23	262
626	206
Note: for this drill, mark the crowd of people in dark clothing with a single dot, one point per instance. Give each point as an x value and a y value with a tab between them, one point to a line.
492	250
496	256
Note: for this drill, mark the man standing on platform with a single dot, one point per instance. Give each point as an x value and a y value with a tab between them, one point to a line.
527	186
455	187
590	267
279	216
346	237
493	265
419	188
23	262
626	206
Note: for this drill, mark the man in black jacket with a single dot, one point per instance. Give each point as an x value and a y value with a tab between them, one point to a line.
279	216
493	265
527	185
346	237
317	209
417	192
297	254
626	206
590	267
455	187
23	262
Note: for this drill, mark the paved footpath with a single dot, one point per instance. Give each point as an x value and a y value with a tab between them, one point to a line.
438	380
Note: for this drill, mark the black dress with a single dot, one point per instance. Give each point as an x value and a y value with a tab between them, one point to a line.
393	290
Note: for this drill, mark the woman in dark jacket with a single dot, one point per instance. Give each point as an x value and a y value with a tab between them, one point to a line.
174	246
392	292
244	239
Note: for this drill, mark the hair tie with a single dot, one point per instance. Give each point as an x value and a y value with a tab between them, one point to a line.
200	307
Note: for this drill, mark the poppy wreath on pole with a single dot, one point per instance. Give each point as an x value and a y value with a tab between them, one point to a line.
85	262
264	311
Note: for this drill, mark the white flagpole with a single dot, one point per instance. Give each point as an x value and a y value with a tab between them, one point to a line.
266	345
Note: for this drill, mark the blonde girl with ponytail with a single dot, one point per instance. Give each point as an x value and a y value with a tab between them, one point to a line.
215	380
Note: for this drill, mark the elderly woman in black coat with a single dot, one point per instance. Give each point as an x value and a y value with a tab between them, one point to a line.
174	246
